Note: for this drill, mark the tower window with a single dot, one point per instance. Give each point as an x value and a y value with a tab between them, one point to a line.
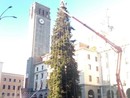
39	11
47	14
43	12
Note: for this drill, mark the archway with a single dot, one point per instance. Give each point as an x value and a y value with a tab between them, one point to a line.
90	94
128	93
110	95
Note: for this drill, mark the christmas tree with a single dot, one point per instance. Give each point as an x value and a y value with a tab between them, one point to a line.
64	79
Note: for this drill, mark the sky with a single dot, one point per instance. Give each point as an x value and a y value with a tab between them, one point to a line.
14	45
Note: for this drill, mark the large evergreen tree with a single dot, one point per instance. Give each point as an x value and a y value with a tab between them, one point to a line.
64	79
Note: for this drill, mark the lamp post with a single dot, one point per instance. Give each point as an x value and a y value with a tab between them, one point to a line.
1	16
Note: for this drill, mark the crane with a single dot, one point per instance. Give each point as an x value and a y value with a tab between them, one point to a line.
115	47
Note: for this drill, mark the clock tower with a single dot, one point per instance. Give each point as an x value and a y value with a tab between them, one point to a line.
40	30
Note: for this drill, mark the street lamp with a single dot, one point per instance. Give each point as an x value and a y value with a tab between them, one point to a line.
1	16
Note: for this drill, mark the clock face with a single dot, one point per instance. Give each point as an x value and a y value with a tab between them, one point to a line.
41	21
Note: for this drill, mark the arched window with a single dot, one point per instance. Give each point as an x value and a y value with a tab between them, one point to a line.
110	95
90	94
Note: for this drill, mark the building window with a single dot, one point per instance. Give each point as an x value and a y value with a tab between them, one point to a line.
36	77
14	80
12	94
90	78
99	96
19	81
99	91
110	94
41	75
96	68
8	94
9	80
35	85
89	65
4	79
42	67
37	69
3	94
8	86
13	87
3	86
89	56
97	79
41	85
96	59
18	87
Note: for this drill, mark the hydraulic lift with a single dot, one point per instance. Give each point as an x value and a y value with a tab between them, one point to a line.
116	48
